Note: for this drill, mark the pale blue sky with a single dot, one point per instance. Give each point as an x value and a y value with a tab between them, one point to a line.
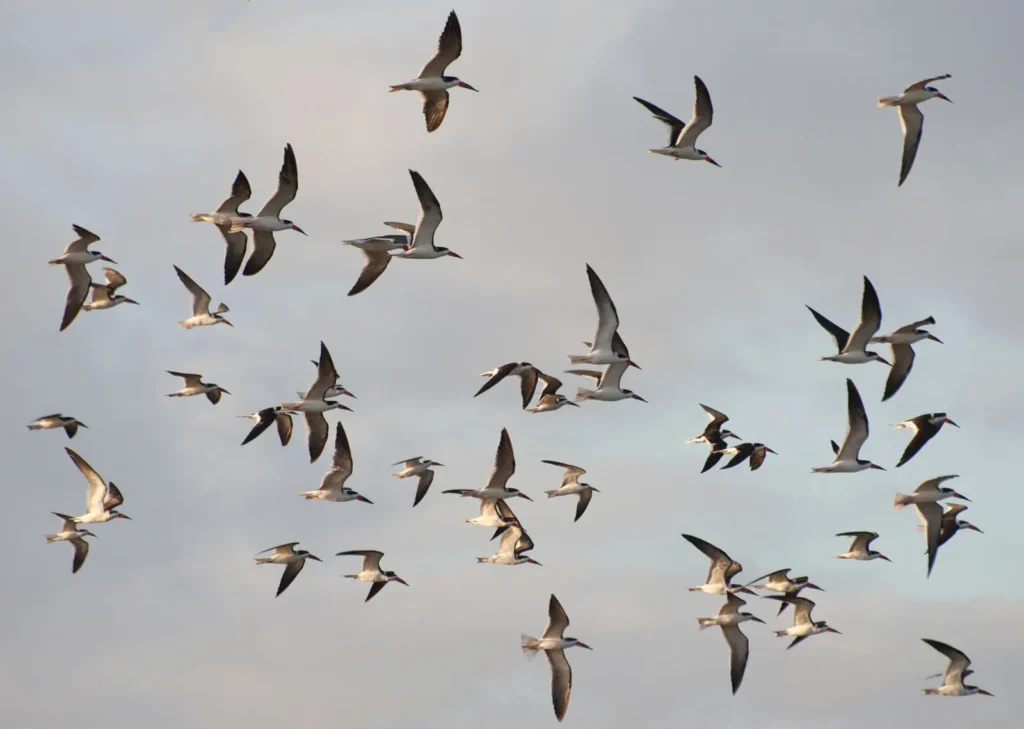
124	118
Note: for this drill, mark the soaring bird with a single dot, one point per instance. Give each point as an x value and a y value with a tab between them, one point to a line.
911	118
682	137
69	532
103	296
953	678
293	559
371	571
852	347
902	353
925	428
571	486
729	618
847	456
553	642
803	626
234	242
76	255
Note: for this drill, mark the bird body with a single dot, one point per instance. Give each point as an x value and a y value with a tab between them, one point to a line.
69	532
803	626
293	559
911	118
847	456
860	547
925	427
195	386
102	499
554	642
682	137
56	420
603	350
332	485
371	571
571	486
723	568
956	671
201	316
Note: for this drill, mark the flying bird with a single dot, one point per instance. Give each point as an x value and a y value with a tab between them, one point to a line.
76	256
268	220
553	642
422	242
264	419
847	456
293	559
497	484
332	486
313	405
422	470
713	430
729	618
494	513
103	296
69	532
376	256
929	491
371	571
432	84
803	626
56	420
526	373
951	525
860	547
852	347
925	428
514	542
102	499
571	486
780	581
902	353
550	399
201	316
953	678
723	569
682	137
603	350
756	452
194	385
235	242
911	118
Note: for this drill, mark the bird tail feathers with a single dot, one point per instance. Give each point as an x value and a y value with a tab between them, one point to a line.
552	493
575	359
583	393
884	101
52	538
902	500
398	87
780	633
705	622
529	645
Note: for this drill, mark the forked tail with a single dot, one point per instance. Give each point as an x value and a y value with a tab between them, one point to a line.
902	500
820	470
35	427
529	645
884	101
705	622
263	560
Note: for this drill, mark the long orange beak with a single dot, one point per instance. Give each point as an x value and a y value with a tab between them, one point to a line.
711	161
944	97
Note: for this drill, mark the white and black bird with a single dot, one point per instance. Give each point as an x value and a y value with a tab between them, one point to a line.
194	385
526	373
955	673
860	547
571	486
201	316
293	559
723	568
756	452
900	342
780	581
420	468
422	245
847	456
314	404
852	347
603	350
729	618
335	390
925	428
514	543
371	571
554	642
76	255
264	419
56	420
682	137
716	442
911	118
550	399
103	296
497	485
929	491
332	485
235	242
432	84
951	525
69	532
803	625
714	429
101	498
268	220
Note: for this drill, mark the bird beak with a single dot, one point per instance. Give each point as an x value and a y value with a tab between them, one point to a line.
708	159
746	590
223	390
833	630
435	463
363	498
812	586
631	363
524	496
131	301
225	321
124	516
530	560
771	451
298	229
400	580
874	465
882	556
595	490
82	425
108	260
934	338
313	556
758	620
983	692
453	254
93	535
350	395
637	397
574	404
883	361
733	435
345	407
946	98
584	645
464	85
958	495
947	420
971	526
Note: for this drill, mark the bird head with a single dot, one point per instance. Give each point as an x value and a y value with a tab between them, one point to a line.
392	577
878	358
968	525
707	158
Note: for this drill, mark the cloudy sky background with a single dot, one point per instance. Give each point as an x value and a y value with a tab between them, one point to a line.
124	118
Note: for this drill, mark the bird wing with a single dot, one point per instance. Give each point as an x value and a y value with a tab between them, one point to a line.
200	299
373	267
404	227
214	396
341	464
408	462
714	456
500	374
861	540
675	125
933	484
284	427
423	485
757	457
612	376
733	603
78	291
503	510
857	427
504	463
561	682
288	548
371	558
558	621
958	662
234	251
82	243
703	112
115	279
739	649
719	559
715	417
528	385
374	589
902	363
291	571
802	608
240	192
596	374
266	417
870	319
509	539
912	121
100	293
435	106
583	502
924	431
190	379
449	47
930	514
607	315
81	552
113	498
430	213
919	85
326	375
263	246
287	186
97	487
572	473
318	432
838	333
744	450
551	384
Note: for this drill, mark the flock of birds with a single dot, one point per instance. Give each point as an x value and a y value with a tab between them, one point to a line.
608	352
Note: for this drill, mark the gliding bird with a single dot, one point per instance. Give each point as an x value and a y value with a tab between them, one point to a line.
313	405
571	486
56	420
860	547
723	569
729	618
682	137
194	385
101	498
422	470
848	458
201	316
103	296
853	346
69	532
553	642
953	678
76	256
332	486
911	118
504	468
371	571
925	428
902	353
293	559
803	626
234	242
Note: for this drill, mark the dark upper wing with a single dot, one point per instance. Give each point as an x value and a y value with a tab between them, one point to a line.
234	251
925	432
902	363
81	552
287	186
290	573
263	246
318	432
342	461
583	503
372	269
78	292
912	121
374	589
426	478
449	47
497	377
435	106
838	333
675	125
757	458
745	449
284	427
266	417
528	385
113	499
561	682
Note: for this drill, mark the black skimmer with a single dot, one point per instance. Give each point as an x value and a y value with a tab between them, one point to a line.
929	491
201	316
332	486
102	499
852	347
911	118
264	418
371	571
780	581
103	296
803	626
293	559
432	84
194	385
313	405
422	244
902	353
504	468
860	547
550	398
268	220
609	386
953	677
76	256
334	390
682	137
756	452
713	430
847	456
723	569
951	525
729	618
718	446
420	468
925	428
376	253
69	532
526	373
514	542
571	486
603	350
56	420
235	243
553	642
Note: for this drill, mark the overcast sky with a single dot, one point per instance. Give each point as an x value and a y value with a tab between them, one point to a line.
126	117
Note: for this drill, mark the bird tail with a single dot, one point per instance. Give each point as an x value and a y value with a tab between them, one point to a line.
35	427
698	439
351	577
398	87
780	633
198	217
263	560
552	493
575	359
884	101
52	538
902	500
54	262
308	494
529	645
237	225
583	393
705	622
819	470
